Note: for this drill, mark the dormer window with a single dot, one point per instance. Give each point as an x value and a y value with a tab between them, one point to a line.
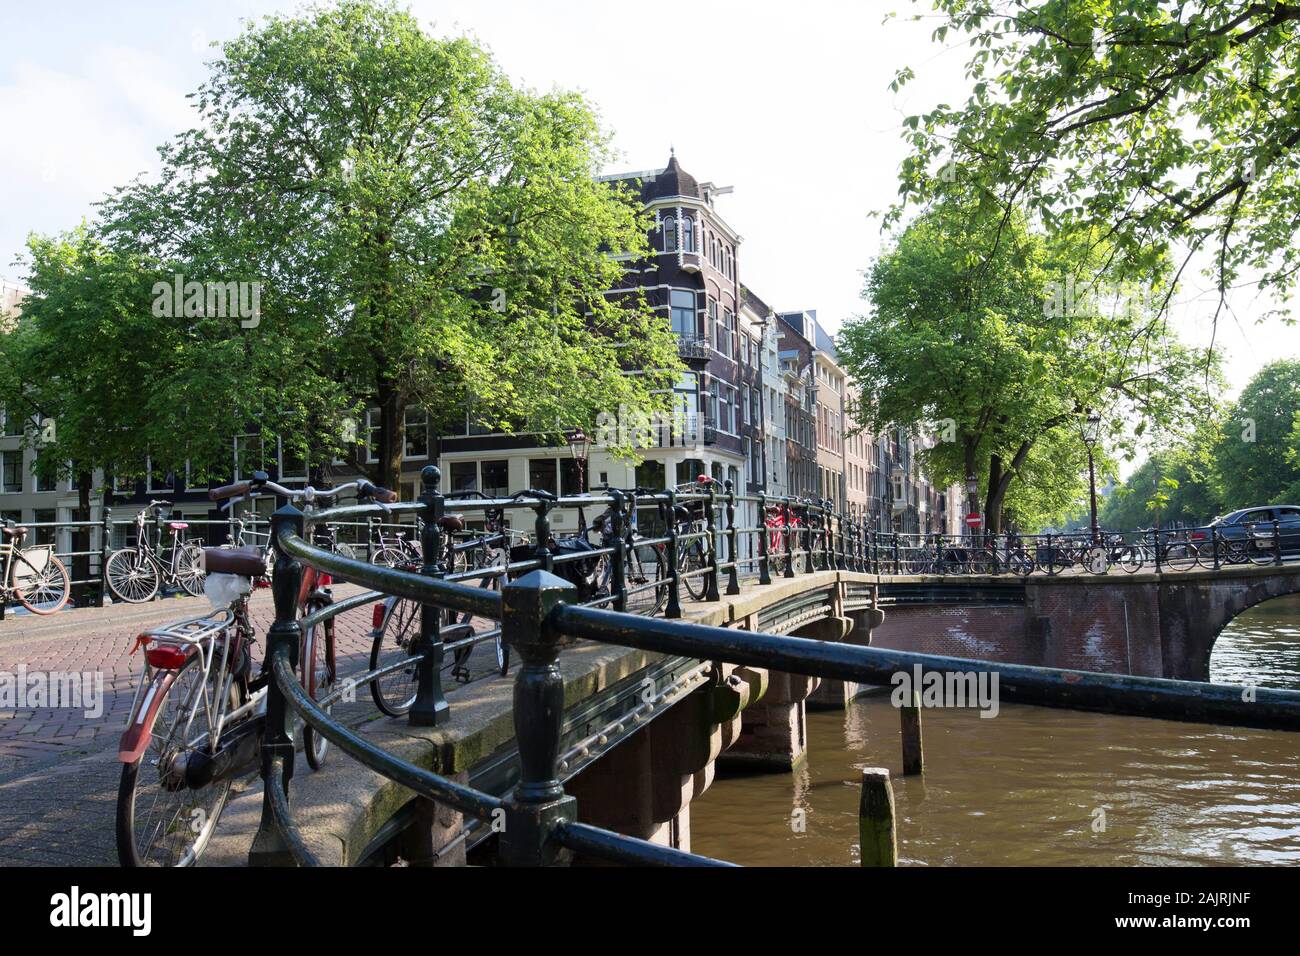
670	234
688	234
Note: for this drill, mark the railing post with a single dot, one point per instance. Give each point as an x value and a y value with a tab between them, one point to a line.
1051	557
733	552
809	565
1155	541
105	547
897	565
789	540
269	845
1277	542
538	802
673	609
430	707
1214	544
542	529
370	539
764	572
711	579
618	578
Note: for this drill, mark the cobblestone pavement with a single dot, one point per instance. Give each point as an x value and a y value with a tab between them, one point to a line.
58	767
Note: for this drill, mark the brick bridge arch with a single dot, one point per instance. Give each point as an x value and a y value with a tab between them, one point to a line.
1161	625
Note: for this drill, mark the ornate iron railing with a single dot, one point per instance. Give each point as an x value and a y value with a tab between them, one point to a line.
537	609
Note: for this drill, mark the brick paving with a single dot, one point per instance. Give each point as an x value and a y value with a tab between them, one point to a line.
58	767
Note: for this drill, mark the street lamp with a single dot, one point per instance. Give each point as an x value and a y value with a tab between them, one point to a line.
972	500
1091	432
579	445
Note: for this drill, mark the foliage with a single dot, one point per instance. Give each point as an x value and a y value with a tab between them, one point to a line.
424	232
1006	355
1171	122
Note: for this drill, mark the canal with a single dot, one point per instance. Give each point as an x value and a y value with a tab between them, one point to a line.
1035	786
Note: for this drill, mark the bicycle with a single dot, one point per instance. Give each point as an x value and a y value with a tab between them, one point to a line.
396	550
135	574
397	621
645	566
33	575
693	556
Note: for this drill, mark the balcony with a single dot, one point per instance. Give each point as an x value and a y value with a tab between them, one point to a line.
694	350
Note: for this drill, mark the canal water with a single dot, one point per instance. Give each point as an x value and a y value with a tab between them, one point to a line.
1036	786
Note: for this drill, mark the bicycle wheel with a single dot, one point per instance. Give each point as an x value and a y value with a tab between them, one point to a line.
40	581
316	671
394	640
645	567
1128	558
132	576
692	559
1180	556
189	569
389	557
160	820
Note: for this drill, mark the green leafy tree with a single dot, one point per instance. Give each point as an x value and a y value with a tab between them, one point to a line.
1174	123
1254	459
425	233
1004	357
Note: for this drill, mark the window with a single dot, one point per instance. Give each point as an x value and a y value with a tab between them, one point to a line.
570	484
43	535
249	456
542	474
688	234
11	471
417	433
293	465
670	234
714	330
729	322
496	479
464	477
44	481
13	425
682	309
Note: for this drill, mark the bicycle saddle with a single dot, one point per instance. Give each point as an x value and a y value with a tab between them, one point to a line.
247	562
452	523
15	531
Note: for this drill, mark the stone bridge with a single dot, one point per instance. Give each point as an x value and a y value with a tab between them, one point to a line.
645	732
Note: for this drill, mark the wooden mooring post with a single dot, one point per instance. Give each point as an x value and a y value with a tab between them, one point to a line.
910	731
877	835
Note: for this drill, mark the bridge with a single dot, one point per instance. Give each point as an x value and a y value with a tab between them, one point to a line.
596	745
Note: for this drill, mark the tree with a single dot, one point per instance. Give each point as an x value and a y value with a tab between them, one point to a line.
1004	357
1173	123
423	232
1253	459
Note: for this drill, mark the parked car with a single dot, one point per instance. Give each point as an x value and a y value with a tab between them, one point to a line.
1252	528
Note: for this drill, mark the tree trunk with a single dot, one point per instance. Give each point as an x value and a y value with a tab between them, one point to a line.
81	542
392	435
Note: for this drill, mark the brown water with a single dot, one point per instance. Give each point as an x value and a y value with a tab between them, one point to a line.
1036	786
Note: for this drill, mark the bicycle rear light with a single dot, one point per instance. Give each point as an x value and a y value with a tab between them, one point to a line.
166	657
377	619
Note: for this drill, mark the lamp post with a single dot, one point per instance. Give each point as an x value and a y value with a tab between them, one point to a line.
1091	432
579	445
972	500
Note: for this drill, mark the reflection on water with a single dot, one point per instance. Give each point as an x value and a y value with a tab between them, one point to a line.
1029	787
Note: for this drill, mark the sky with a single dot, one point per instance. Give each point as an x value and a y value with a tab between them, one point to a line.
786	102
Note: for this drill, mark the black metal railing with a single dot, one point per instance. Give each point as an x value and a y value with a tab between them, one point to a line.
539	611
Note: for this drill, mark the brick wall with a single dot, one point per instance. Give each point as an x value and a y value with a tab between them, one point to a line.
983	632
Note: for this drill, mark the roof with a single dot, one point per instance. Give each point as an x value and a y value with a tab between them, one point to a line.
672	180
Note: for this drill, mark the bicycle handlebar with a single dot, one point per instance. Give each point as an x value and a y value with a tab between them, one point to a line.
309	495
